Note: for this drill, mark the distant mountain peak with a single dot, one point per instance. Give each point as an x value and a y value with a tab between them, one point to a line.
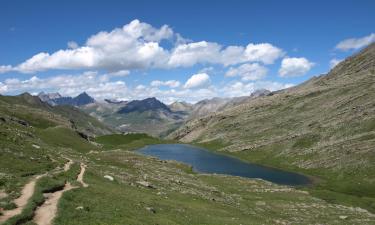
83	99
57	99
144	105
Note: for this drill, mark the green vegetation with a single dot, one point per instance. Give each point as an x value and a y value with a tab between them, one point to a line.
65	138
130	141
177	196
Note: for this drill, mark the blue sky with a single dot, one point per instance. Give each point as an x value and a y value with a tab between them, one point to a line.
186	50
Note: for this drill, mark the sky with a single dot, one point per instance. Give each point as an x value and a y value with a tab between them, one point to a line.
175	50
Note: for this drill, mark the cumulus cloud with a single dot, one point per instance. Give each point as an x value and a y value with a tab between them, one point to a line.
264	52
355	43
210	52
197	81
138	45
334	62
168	83
248	71
292	67
186	55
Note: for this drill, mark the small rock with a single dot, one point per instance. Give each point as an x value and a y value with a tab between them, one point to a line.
151	209
145	184
36	146
260	203
343	217
109	177
79	208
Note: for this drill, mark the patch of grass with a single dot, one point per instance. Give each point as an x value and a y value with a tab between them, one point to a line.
120	139
213	145
66	138
306	141
128	141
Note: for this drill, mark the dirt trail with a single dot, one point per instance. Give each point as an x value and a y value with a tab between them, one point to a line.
80	175
68	164
26	193
45	214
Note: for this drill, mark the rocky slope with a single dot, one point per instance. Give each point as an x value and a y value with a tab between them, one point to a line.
57	99
26	107
145	116
325	126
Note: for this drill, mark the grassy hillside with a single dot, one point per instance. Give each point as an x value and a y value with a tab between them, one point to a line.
324	127
144	190
156	123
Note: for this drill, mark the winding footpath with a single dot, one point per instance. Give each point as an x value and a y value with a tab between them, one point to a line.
45	213
21	202
80	175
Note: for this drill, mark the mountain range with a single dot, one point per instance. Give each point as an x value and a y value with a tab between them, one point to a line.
149	115
57	99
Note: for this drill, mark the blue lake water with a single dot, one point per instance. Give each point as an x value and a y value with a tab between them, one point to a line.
209	162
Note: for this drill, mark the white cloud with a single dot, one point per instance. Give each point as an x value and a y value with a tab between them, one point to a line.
187	55
263	52
72	45
5	68
233	55
203	52
168	83
248	71
292	67
134	46
3	88
120	73
197	81
355	43
334	62
84	57
91	82
138	45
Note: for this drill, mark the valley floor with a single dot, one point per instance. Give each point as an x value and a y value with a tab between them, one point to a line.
147	190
